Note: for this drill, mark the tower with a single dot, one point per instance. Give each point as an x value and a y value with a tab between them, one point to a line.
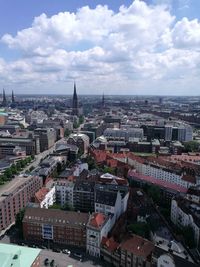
103	101
13	97
75	102
4	102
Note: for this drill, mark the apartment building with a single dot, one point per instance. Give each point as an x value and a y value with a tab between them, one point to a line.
45	197
57	226
186	213
98	227
14	196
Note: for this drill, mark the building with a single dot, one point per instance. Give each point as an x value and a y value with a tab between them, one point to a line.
18	256
31	145
4	101
46	136
83	195
80	140
116	134
65	191
55	226
45	197
75	110
134	251
108	202
14	196
186	213
98	227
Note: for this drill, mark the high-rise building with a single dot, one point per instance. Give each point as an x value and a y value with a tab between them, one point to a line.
4	102
75	102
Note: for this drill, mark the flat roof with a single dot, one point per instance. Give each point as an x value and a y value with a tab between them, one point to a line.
17	256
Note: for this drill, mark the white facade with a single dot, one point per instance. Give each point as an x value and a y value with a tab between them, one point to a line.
95	235
79	168
182	219
64	192
116	210
160	173
49	198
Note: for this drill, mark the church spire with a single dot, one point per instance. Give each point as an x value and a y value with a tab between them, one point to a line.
103	100
4	102
13	97
75	102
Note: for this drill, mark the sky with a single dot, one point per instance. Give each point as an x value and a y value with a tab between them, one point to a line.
149	47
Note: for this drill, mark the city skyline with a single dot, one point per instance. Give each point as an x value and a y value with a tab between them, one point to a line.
141	48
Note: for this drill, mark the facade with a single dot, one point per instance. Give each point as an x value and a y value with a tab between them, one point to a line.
31	145
108	202
98	227
45	197
134	251
80	140
14	196
55	226
83	195
123	134
65	192
46	136
18	256
185	213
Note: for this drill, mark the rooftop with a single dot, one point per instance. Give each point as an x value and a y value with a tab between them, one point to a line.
56	217
17	256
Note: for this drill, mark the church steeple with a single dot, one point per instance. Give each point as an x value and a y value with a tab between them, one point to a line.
103	101
4	102
75	102
13	97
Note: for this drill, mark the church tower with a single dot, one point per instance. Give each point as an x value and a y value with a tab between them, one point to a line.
4	102
75	102
13	97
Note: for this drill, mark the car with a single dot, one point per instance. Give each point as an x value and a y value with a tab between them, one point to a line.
66	251
56	250
78	255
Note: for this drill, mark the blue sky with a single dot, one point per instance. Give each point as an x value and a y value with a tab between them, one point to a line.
145	47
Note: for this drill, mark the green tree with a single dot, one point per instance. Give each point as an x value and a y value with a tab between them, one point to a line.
154	193
192	146
8	173
188	235
67	132
141	229
81	119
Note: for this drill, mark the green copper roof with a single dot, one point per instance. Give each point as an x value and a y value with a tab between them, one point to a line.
17	256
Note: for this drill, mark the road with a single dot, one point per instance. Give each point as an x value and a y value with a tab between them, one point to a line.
40	156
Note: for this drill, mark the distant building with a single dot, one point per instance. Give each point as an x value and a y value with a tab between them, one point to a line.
55	226
80	140
4	101
46	136
18	256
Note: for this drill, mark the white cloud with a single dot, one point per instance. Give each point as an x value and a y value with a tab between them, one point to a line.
139	45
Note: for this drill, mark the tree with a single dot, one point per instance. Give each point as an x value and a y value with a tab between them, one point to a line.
188	235
141	229
81	119
154	193
67	132
192	146
8	173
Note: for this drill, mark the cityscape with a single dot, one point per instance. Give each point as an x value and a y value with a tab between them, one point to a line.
104	172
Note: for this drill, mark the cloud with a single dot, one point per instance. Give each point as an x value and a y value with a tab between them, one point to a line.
141	45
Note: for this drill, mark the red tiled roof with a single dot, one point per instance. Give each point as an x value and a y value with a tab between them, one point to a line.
138	246
97	220
110	244
40	195
157	182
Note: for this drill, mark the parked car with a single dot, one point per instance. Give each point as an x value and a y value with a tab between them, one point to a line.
78	255
66	251
56	250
